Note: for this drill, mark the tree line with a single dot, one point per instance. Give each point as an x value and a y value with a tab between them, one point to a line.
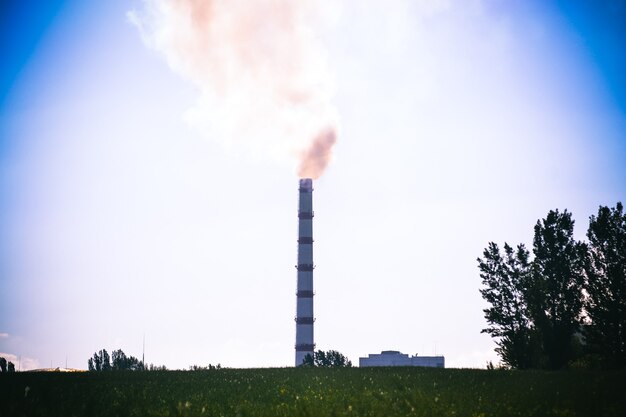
101	361
328	359
563	304
6	366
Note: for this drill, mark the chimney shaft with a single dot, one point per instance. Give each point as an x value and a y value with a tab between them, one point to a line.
304	296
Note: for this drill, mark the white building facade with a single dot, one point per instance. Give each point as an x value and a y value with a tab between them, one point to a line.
395	358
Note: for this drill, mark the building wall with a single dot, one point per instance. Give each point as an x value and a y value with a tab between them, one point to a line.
395	358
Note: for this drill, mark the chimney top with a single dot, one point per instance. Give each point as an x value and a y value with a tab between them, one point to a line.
306	184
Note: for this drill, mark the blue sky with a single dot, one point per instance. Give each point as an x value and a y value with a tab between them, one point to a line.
460	123
601	30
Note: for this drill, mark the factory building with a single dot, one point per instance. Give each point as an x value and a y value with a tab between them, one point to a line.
395	358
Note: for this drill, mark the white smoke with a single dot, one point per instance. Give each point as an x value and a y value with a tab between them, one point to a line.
261	71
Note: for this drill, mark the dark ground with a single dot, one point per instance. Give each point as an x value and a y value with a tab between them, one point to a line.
315	392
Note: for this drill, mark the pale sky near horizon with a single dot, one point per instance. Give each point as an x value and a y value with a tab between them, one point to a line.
461	122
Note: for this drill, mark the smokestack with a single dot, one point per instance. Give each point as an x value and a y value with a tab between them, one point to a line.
304	296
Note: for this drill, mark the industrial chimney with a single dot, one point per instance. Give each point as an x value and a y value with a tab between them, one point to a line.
304	296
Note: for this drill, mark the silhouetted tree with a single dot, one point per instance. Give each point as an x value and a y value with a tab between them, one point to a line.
106	360
3	364
605	285
102	362
95	363
505	279
205	368
554	293
337	360
97	360
11	367
308	361
121	362
329	359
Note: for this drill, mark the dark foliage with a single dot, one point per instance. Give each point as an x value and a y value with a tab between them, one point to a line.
96	362
315	392
605	286
504	279
567	306
205	368
329	359
555	296
102	362
6	366
121	362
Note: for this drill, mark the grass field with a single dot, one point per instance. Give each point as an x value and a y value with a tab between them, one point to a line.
315	392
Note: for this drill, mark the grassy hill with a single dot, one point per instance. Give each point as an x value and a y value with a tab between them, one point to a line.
315	392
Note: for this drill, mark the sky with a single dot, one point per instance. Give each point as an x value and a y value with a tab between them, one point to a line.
459	123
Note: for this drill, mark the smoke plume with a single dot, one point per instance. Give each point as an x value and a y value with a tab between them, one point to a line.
261	71
315	159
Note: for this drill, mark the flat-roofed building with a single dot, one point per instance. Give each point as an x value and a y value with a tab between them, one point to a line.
395	358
